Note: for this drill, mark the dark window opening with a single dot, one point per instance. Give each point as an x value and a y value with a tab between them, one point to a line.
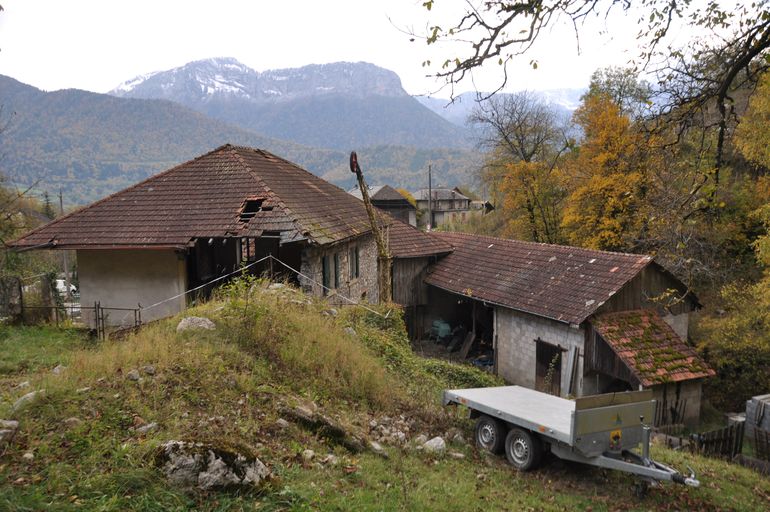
548	368
337	268
354	270
325	274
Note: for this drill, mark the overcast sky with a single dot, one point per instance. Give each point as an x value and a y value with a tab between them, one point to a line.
95	45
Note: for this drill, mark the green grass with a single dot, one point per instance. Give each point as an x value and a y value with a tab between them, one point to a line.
25	349
227	387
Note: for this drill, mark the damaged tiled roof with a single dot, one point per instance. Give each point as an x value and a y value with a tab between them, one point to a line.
562	283
650	348
203	198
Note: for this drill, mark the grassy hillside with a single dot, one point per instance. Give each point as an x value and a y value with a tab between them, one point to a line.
91	145
79	446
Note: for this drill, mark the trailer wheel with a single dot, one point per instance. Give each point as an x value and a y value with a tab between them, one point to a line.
523	449
490	434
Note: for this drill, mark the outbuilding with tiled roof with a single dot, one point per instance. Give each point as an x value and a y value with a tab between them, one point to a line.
184	228
534	309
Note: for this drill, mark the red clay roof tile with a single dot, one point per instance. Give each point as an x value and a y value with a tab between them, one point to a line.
203	198
650	348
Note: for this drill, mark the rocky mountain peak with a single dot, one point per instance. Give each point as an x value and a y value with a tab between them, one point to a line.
225	77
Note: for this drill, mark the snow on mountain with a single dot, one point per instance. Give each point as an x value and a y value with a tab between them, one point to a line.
227	78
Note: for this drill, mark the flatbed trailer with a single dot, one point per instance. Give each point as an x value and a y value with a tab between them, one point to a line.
600	430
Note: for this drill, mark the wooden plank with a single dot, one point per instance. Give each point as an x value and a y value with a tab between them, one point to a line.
467	344
762	444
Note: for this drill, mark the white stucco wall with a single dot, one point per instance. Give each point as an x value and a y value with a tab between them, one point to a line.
516	333
126	278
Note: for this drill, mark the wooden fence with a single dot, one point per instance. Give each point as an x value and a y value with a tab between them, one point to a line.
724	442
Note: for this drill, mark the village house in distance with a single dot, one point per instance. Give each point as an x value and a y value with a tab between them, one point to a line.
446	206
389	200
565	320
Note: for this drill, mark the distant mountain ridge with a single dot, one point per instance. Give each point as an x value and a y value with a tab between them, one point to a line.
91	145
342	105
206	79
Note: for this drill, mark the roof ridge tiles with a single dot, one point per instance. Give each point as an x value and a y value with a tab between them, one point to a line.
270	192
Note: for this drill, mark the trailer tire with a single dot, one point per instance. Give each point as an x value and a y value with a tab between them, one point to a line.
523	449
490	434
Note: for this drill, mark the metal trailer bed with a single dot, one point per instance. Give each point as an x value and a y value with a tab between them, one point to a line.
600	430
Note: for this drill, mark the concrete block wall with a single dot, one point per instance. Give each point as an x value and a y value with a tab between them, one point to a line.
362	288
516	333
679	323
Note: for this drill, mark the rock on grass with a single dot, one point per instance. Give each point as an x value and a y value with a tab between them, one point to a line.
195	323
196	465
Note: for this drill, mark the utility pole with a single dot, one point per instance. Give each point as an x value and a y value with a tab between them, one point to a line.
384	276
66	263
430	200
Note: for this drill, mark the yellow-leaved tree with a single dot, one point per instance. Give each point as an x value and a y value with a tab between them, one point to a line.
607	177
752	136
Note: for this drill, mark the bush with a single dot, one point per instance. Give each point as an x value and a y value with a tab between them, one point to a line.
737	345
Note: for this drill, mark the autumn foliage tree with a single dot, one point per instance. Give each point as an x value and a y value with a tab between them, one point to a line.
606	207
527	141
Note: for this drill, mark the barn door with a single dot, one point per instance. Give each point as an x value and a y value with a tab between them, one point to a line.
548	368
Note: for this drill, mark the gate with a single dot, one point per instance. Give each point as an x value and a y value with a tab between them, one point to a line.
101	314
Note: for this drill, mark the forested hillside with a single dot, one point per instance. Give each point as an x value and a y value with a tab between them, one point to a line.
620	176
341	105
91	145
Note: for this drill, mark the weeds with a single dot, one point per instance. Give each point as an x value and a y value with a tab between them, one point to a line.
227	387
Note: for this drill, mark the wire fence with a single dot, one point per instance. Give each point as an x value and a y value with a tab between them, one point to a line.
101	319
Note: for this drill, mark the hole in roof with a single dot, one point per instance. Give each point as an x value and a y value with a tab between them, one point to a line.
251	207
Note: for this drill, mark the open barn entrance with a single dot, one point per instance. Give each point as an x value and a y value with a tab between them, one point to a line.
459	328
548	368
212	258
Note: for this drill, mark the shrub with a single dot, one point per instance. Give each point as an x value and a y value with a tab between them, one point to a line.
737	345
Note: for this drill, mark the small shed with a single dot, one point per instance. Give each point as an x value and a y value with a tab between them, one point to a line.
757	414
638	349
537	303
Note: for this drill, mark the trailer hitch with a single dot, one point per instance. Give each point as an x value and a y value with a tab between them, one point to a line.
686	480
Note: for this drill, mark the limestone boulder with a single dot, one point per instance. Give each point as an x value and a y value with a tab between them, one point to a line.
197	465
195	323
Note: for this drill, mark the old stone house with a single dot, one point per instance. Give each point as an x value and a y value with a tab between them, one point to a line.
572	321
446	205
183	228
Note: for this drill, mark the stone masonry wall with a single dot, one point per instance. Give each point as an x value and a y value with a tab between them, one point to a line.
516	347
362	288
